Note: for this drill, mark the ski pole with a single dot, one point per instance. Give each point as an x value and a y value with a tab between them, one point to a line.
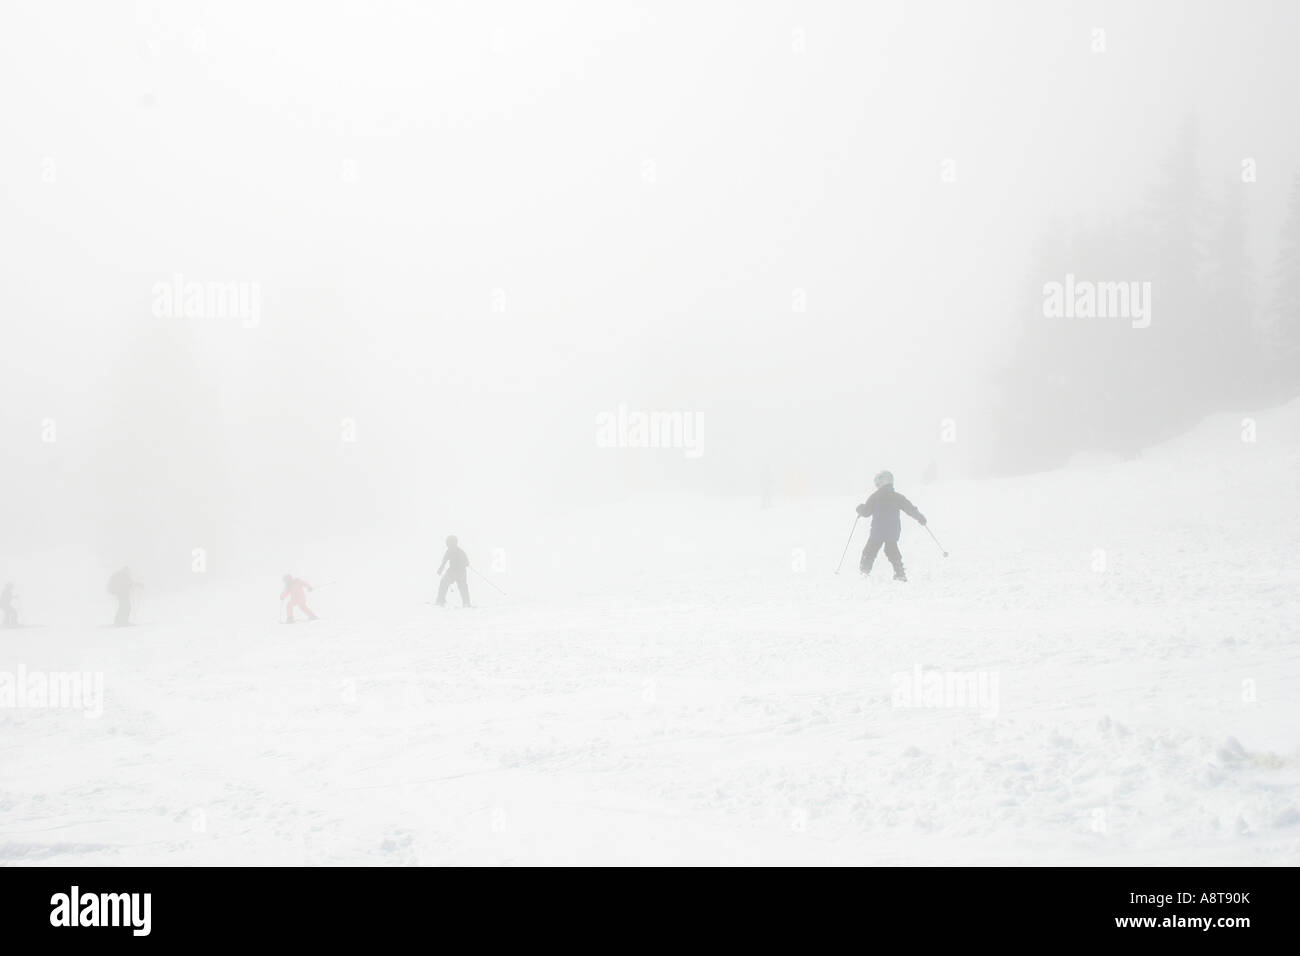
493	586
847	543
936	541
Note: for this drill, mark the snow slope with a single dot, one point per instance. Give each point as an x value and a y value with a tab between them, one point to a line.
687	682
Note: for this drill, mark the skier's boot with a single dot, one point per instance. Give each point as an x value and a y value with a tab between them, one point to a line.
900	575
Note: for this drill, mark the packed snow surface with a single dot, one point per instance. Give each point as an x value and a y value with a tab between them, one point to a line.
1106	670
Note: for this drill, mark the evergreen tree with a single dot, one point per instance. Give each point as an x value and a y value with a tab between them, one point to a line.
1032	384
1177	350
160	475
1231	309
1284	333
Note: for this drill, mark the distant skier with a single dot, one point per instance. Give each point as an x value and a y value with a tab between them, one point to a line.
121	586
7	598
883	507
295	589
456	563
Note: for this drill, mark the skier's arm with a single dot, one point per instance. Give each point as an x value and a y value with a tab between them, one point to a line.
865	509
911	510
442	564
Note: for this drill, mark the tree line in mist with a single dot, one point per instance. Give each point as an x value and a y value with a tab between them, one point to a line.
1218	332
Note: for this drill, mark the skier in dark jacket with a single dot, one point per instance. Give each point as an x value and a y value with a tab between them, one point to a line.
121	585
456	563
883	507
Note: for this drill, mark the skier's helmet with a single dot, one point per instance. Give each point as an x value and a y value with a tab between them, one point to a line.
884	478
451	541
288	578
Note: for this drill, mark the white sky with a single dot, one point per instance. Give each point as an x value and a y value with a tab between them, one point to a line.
647	184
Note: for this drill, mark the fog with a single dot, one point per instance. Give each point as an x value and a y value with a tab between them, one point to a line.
280	272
